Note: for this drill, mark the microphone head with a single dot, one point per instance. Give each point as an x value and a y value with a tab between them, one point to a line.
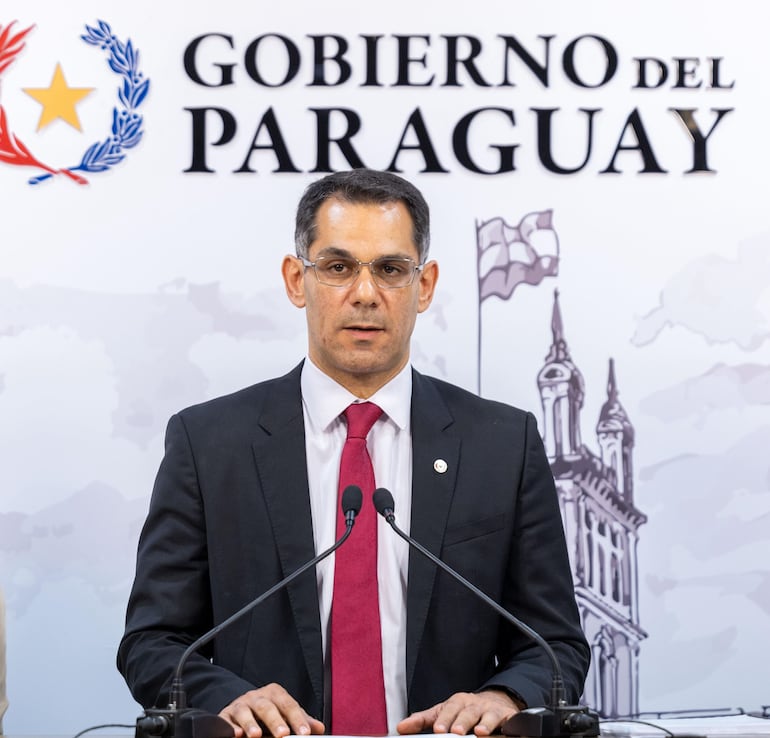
352	499
383	500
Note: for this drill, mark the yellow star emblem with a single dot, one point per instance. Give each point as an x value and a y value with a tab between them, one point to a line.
58	100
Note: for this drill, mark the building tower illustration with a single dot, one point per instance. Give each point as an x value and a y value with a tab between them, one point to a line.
601	523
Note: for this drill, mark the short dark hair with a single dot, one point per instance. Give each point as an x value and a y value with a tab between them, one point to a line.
362	186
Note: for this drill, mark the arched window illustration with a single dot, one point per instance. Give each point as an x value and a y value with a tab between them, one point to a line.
615	573
589	550
602	572
606	687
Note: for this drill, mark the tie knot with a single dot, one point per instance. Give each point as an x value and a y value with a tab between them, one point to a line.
361	416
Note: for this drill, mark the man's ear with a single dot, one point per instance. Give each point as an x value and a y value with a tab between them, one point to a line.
427	285
293	271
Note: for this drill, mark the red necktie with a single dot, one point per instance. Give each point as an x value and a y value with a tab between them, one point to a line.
358	691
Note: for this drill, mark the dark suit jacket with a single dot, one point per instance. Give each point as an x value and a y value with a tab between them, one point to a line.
230	516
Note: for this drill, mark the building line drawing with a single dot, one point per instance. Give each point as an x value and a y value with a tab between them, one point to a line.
601	523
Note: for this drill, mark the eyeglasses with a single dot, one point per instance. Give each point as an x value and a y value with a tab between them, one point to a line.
388	272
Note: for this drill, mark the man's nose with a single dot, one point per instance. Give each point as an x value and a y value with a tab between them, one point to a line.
365	288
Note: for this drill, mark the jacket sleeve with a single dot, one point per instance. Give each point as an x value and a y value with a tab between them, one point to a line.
539	590
170	602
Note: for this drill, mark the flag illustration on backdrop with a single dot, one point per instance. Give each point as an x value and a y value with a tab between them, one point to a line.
512	255
507	256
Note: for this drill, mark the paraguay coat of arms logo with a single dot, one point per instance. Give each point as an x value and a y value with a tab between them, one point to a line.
55	101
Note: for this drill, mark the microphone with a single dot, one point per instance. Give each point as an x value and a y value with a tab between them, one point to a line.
180	721
558	719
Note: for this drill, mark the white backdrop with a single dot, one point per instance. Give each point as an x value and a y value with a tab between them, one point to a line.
151	288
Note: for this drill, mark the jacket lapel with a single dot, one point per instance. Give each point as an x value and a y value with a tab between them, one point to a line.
433	442
280	458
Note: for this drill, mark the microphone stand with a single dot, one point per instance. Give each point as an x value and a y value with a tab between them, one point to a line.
558	720
180	721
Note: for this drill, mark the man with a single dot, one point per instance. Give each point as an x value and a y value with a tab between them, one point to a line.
247	492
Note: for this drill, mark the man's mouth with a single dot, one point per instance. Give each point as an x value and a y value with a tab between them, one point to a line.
363	328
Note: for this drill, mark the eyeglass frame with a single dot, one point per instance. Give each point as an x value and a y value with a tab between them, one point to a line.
417	268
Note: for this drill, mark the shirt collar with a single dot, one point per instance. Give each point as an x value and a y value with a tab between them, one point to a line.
324	400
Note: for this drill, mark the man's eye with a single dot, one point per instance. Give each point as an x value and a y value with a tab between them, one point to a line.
337	267
392	268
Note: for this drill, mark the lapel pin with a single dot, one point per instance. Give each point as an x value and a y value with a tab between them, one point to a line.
440	465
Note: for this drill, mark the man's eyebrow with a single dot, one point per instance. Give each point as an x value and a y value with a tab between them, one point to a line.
334	251
344	253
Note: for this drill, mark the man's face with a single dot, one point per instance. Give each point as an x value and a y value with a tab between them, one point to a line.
359	335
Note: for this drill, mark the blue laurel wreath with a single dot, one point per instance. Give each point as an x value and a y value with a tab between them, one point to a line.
126	122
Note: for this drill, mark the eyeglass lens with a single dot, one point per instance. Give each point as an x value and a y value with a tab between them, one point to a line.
386	272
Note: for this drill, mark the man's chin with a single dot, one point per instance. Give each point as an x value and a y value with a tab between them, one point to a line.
364	363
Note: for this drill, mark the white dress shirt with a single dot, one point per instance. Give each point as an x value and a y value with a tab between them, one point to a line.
390	447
